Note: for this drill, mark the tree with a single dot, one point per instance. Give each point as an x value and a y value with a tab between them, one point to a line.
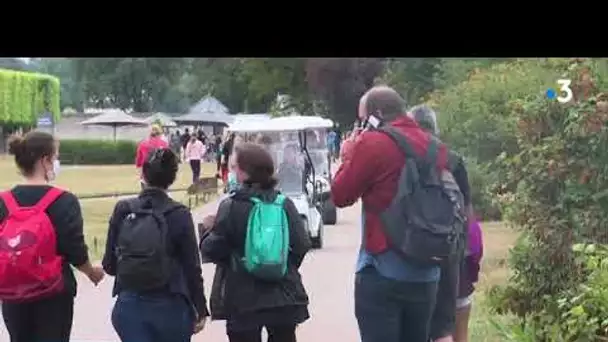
128	83
72	94
340	83
413	78
556	195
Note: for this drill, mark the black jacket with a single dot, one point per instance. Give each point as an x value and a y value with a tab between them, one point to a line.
443	321
187	279
236	292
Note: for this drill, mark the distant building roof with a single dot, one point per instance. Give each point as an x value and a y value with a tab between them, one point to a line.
209	104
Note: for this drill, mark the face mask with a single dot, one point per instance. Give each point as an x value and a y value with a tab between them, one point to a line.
51	175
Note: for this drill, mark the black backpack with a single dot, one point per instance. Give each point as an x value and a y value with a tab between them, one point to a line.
144	260
425	221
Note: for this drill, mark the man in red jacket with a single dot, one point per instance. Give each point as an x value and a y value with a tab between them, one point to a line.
394	298
153	142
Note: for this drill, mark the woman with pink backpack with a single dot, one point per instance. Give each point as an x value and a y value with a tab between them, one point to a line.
469	275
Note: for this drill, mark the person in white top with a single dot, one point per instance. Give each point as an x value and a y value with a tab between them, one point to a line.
195	151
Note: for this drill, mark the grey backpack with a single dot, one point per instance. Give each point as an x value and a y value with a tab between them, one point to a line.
425	221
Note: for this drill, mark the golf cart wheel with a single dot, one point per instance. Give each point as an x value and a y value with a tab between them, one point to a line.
329	212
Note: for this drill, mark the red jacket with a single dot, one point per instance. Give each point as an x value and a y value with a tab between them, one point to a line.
371	171
147	145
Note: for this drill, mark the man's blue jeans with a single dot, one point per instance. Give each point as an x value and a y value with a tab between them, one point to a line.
388	310
152	318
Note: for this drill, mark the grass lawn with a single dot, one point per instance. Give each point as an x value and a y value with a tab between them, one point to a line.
88	180
96	216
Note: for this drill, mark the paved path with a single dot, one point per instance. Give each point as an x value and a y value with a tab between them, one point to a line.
327	273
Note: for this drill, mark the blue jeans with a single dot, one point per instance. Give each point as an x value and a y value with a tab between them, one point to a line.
388	310
152	318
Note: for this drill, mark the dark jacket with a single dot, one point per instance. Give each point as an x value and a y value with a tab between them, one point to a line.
187	279
372	174
452	284
236	292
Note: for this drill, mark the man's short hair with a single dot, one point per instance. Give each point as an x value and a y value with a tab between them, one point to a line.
384	102
426	118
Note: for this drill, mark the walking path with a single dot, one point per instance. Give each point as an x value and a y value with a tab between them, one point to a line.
328	275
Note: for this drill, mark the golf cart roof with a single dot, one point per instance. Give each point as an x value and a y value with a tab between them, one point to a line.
285	123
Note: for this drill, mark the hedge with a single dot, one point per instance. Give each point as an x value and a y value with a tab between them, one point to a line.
26	95
97	152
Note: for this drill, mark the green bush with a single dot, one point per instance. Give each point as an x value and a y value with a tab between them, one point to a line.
480	180
554	190
26	95
97	152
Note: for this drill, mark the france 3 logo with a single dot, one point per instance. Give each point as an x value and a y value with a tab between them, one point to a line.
565	93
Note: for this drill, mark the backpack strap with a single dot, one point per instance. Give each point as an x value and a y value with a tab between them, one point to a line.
9	202
280	199
48	199
400	140
432	149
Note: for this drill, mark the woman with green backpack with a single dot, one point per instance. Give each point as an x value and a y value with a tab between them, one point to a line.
258	242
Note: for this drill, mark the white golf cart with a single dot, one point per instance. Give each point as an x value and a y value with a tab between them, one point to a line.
295	168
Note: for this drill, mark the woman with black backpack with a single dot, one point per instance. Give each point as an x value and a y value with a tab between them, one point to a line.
247	293
151	250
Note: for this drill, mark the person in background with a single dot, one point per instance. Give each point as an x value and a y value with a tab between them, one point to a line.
331	145
451	315
175	143
153	142
195	151
41	307
227	149
161	297
245	300
218	155
201	136
165	135
185	138
394	297
338	140
469	275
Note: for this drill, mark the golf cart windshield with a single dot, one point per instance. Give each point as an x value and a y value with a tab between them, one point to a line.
316	140
289	163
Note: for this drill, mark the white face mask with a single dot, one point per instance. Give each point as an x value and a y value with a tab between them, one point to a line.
52	175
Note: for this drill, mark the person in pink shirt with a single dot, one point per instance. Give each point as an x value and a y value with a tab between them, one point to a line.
153	142
195	150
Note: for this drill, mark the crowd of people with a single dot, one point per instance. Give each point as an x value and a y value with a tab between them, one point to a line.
416	269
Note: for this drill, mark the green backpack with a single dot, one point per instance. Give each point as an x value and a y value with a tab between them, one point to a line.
267	241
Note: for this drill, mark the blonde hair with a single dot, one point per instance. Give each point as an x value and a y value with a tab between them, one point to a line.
156	130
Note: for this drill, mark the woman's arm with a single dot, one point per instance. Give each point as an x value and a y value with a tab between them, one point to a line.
187	255
109	257
217	246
